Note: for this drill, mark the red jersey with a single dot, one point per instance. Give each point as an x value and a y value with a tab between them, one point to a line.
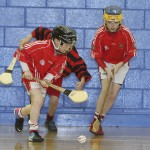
42	60
113	47
74	63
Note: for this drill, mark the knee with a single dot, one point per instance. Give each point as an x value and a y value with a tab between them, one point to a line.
111	97
37	101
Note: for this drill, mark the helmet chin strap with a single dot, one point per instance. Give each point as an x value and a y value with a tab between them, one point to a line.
57	48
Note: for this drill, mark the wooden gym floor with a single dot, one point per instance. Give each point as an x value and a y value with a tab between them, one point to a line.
121	138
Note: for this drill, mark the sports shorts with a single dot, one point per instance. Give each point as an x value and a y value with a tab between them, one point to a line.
53	92
119	76
30	85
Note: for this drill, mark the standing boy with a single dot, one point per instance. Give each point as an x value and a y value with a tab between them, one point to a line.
112	48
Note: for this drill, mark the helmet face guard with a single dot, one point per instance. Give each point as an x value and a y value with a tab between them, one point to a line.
64	34
113	13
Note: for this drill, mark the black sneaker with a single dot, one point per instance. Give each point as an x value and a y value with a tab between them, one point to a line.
35	137
19	121
50	125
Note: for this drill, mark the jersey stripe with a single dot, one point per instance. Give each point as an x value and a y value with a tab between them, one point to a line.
131	35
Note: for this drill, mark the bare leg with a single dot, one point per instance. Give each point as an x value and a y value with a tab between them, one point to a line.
111	97
103	95
49	123
53	105
95	126
26	110
36	104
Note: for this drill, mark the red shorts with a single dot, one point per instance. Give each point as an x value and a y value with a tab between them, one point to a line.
51	91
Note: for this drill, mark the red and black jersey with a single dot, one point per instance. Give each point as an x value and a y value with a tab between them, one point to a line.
74	63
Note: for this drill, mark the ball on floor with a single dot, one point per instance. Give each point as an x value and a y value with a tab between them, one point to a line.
82	139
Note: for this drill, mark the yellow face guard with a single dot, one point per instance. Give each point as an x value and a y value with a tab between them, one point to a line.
116	18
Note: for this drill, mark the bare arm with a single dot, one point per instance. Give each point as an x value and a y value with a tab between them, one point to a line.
25	41
80	84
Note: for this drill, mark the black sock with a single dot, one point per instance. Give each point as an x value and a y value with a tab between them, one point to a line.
49	118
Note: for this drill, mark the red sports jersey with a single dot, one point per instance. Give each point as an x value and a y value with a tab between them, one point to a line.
42	60
113	47
75	63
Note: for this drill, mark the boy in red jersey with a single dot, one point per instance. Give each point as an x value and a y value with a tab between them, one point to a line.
74	63
112	48
45	60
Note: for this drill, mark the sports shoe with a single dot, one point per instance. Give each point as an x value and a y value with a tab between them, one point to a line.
96	128
19	121
35	137
50	125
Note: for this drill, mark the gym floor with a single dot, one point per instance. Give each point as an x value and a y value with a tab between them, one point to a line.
115	138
